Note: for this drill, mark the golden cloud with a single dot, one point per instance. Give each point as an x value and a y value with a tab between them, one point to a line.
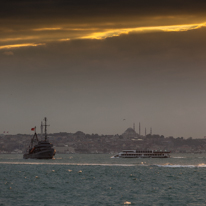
20	45
118	32
66	34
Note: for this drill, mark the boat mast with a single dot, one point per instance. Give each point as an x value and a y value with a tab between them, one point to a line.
41	129
45	129
33	138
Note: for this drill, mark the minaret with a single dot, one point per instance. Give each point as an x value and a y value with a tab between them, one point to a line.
139	129
134	126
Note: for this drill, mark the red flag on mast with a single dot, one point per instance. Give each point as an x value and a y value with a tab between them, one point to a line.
32	129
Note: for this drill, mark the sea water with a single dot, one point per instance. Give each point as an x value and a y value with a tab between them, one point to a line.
97	179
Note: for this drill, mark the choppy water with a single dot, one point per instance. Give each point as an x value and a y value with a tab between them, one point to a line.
99	180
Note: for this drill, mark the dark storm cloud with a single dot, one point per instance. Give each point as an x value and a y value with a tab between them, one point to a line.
101	11
91	8
32	23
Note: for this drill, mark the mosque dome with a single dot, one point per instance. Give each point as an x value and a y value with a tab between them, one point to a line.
129	133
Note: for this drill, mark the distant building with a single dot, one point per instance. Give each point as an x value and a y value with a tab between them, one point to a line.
129	134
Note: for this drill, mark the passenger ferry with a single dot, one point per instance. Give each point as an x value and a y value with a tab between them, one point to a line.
143	154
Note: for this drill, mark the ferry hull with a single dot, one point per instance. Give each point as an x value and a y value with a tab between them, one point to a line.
142	157
142	154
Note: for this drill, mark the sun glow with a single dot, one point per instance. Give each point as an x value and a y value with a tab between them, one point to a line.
20	45
118	32
46	29
18	38
67	34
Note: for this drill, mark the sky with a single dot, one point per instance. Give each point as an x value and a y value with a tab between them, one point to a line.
101	66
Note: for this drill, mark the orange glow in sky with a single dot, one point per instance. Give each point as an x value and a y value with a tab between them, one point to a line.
64	34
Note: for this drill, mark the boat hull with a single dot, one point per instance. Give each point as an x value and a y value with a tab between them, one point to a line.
43	148
40	155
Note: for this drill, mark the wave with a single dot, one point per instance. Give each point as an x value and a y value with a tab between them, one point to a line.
79	164
178	166
178	157
168	165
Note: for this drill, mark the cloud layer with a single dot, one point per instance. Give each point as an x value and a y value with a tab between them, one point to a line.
33	23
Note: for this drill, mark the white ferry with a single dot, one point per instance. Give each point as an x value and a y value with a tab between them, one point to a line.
143	154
